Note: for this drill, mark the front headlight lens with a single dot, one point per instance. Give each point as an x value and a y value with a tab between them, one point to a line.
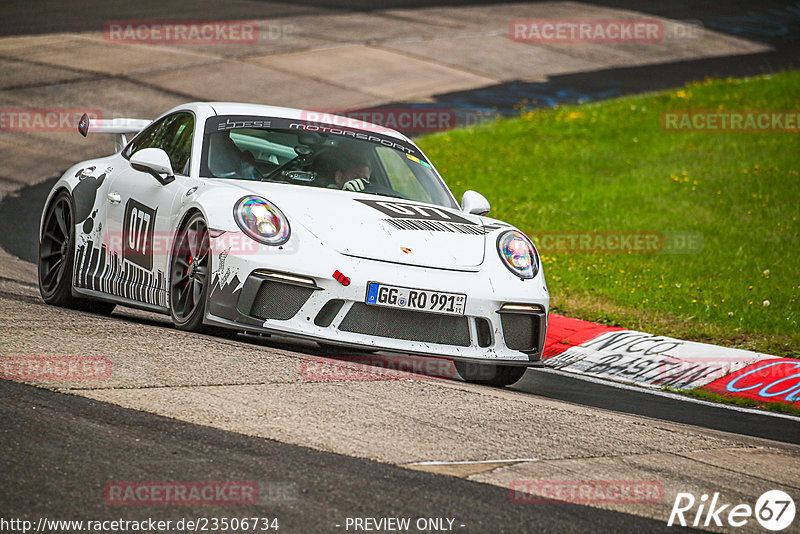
518	254
262	220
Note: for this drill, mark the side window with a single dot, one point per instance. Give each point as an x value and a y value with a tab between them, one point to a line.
173	135
180	149
144	139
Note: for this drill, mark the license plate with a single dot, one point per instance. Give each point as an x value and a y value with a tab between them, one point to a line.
416	299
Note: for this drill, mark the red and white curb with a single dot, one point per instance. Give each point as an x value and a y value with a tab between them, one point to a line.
632	357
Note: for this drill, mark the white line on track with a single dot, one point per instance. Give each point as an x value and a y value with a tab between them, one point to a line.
469	462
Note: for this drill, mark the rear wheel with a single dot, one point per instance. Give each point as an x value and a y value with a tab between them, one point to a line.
490	375
56	252
56	257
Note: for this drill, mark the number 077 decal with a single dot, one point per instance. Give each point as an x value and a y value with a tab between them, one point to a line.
137	234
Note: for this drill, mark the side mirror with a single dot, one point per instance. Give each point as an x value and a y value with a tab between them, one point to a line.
154	161
475	203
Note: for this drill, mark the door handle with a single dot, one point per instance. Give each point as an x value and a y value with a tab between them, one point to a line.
114	198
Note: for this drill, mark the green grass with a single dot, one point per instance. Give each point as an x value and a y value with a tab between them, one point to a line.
609	166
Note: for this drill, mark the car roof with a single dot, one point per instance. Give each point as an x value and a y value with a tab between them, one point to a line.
323	117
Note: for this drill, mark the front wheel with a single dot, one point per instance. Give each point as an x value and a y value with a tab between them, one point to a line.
488	374
190	279
189	275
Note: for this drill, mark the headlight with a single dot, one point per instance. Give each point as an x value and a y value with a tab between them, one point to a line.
262	220
518	254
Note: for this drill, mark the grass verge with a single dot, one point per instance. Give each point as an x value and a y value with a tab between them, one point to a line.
726	205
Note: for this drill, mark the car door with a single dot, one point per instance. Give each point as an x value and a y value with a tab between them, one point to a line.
141	212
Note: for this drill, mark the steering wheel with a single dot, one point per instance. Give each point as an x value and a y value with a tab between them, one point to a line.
303	152
280	168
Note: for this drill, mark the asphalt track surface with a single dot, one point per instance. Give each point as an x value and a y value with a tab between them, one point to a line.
63	450
86	15
25	17
773	22
19	219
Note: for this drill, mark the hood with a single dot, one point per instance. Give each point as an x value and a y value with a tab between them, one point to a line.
381	228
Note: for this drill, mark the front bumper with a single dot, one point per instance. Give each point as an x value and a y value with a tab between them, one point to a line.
505	319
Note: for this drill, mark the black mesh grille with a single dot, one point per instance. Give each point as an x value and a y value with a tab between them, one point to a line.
521	331
408	325
275	300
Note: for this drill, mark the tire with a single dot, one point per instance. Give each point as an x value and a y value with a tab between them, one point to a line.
190	266
189	275
57	258
57	252
488	374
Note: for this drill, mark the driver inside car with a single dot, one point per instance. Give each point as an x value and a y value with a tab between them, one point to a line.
226	160
343	170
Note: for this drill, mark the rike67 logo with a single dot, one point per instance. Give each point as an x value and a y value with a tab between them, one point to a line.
774	510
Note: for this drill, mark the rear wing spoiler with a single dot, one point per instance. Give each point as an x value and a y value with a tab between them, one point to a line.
121	127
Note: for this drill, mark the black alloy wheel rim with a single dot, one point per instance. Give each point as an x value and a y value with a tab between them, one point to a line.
54	249
189	270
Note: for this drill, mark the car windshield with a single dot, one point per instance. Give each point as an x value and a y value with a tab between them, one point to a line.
317	155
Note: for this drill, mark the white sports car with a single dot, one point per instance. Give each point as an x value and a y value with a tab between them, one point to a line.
282	221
